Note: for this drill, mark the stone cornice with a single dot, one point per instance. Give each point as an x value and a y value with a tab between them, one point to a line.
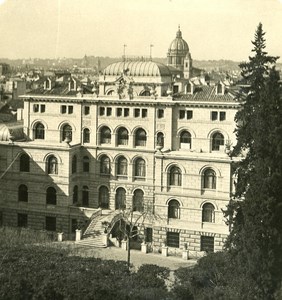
140	101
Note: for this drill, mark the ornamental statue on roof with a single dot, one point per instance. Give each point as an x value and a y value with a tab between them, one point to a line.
124	85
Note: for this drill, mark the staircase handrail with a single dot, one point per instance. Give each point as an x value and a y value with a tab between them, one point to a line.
114	220
93	216
10	165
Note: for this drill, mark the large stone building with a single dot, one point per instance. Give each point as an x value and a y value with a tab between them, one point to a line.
147	137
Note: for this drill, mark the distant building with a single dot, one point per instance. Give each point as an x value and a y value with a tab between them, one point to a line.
147	136
15	87
4	69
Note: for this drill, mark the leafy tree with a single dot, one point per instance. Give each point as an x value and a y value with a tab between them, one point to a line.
255	241
132	224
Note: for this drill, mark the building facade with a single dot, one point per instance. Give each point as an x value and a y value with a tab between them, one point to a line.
149	137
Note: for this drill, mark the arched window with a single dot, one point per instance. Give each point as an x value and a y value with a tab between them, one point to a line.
217	141
86	135
122	138
175	176
111	92
24	163
219	88
105	167
74	164
173	209
145	94
85	164
138	201
122	166
51	196
104	197
120	198
140	168
23	193
185	140
67	133
105	135
39	131
160	139
52	165
188	86
85	196
75	194
209	179
208	213
140	137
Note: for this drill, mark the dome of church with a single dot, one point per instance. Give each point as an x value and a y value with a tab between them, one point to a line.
178	45
4	133
8	131
137	68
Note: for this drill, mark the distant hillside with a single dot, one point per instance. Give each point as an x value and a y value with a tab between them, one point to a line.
92	62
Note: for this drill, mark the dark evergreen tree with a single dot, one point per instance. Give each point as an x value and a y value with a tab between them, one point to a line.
255	213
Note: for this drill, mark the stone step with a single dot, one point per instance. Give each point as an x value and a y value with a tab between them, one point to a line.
95	243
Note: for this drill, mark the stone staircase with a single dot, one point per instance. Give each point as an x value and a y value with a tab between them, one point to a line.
93	236
95	227
94	242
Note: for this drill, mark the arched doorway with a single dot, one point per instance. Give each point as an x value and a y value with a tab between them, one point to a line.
104	197
120	198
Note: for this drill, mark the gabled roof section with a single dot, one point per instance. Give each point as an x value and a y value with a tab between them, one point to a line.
208	94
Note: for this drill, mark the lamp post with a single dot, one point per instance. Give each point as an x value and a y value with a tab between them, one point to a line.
124	46
151	46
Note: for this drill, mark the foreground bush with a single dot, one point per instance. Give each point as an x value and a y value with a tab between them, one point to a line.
13	237
209	279
35	272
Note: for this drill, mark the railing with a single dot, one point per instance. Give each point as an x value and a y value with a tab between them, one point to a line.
93	216
116	218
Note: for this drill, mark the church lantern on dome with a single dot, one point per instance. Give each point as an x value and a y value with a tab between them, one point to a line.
178	55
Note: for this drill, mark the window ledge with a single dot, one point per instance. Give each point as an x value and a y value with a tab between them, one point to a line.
122	177
51	206
137	178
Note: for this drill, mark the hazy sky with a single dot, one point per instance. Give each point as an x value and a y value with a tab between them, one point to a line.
213	29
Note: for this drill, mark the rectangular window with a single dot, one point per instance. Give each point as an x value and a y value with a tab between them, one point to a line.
85	166
144	113
35	107
63	109
189	114
222	116
42	108
149	235
86	110
126	112
22	220
74	225
160	113
207	243
109	111
137	112
175	89
172	239
102	111
70	109
50	223
85	198
214	115
182	114
119	112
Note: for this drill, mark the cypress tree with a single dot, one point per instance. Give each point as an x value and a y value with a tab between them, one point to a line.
255	212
